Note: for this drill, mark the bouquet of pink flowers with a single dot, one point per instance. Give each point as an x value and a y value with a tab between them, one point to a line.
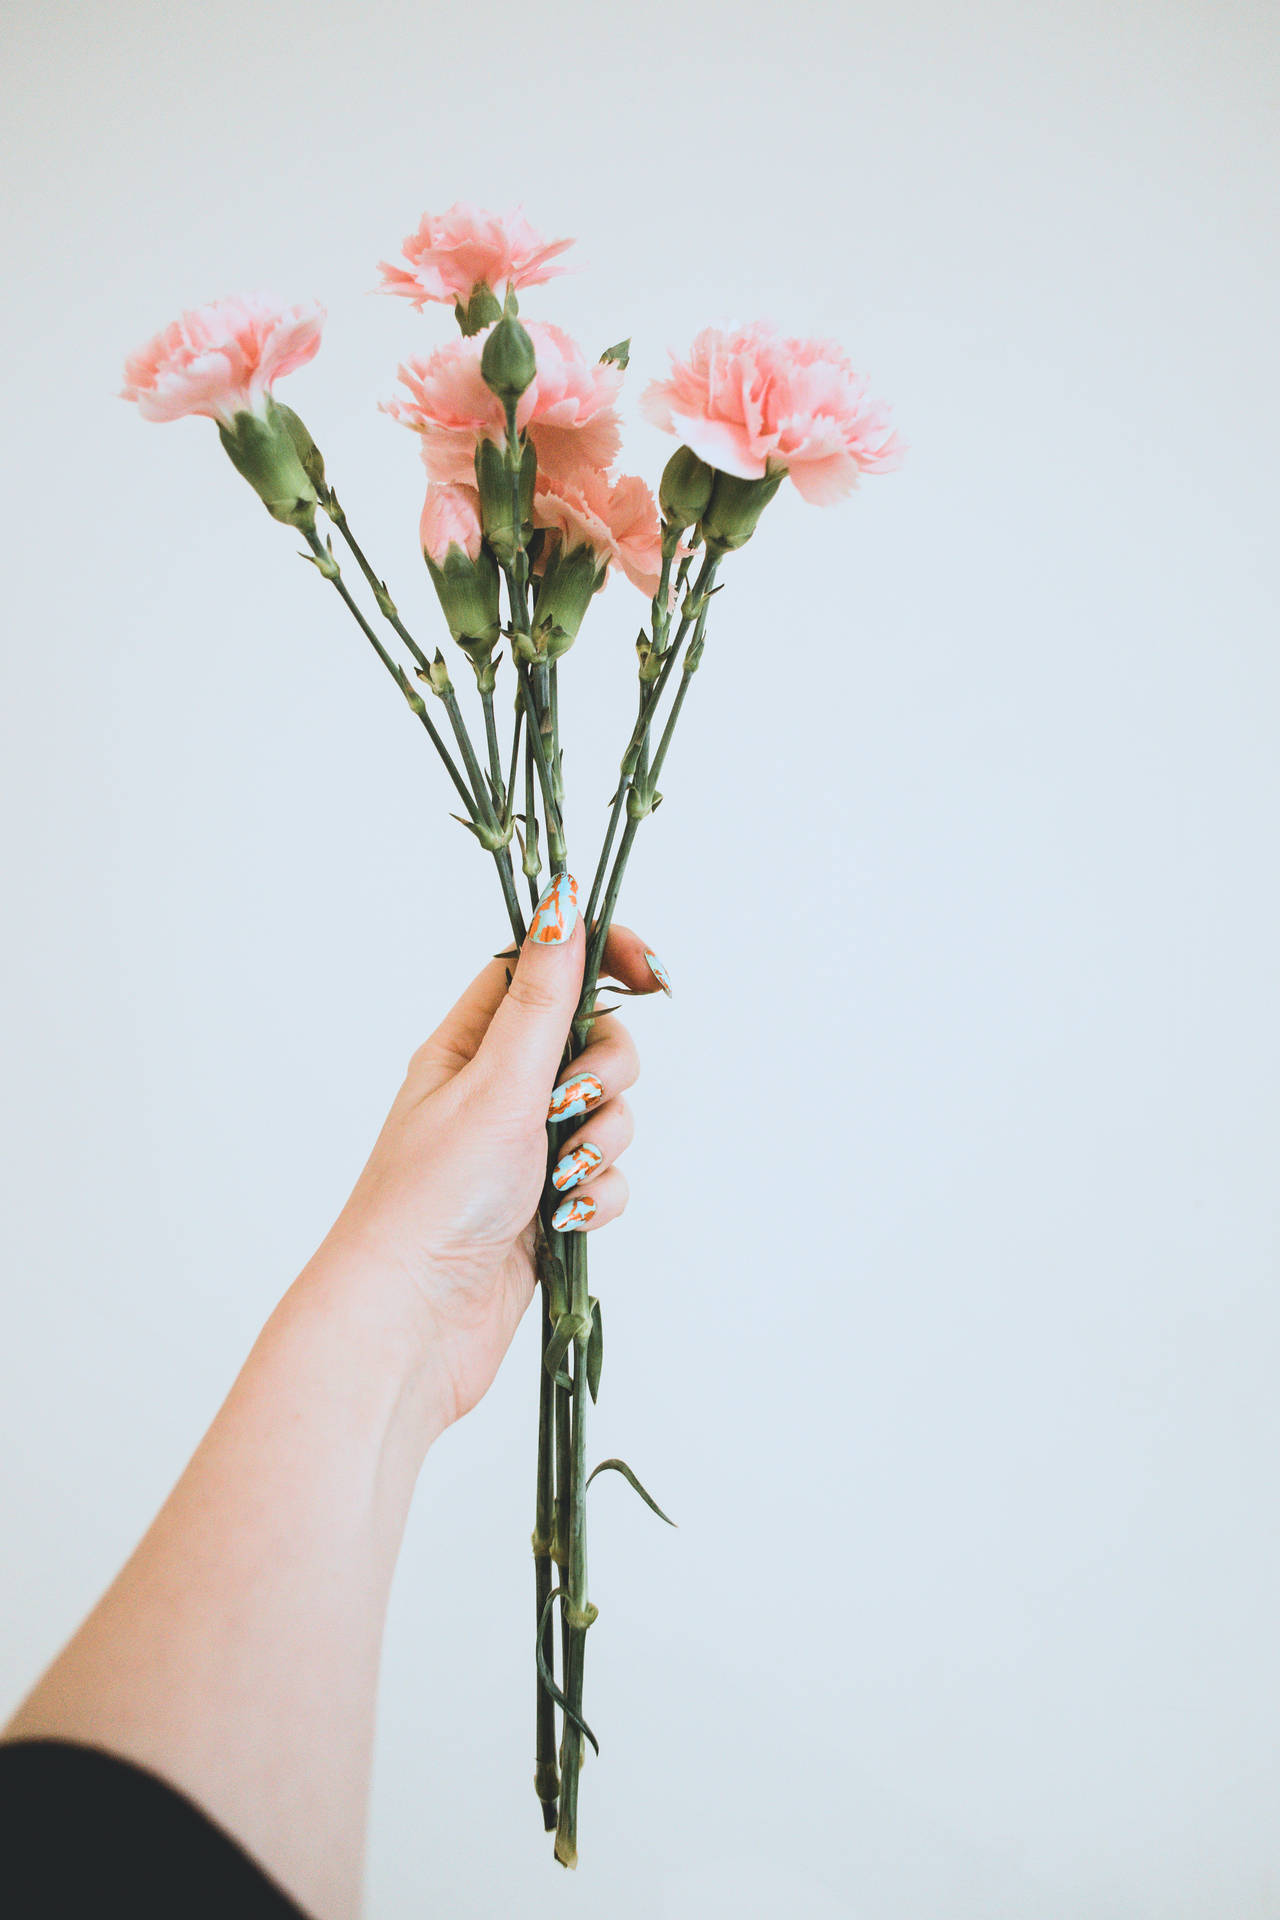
519	431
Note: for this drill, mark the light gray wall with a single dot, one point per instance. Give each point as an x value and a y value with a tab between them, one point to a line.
944	1317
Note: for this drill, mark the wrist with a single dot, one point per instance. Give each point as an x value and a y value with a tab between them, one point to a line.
367	1319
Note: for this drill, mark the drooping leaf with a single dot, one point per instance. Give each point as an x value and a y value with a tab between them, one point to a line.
620	1466
548	1678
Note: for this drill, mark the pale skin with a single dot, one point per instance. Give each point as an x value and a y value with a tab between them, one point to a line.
236	1654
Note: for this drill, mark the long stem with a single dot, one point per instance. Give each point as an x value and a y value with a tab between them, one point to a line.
330	570
577	1608
491	739
386	605
537	740
546	1778
476	803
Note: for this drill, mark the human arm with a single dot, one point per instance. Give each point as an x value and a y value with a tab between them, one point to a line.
236	1654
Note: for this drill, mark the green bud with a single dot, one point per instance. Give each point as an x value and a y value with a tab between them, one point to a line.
306	449
564	593
497	505
468	594
261	448
436	675
735	509
648	656
507	364
481	310
685	488
618	356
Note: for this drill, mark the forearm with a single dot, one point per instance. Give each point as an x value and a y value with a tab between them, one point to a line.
237	1652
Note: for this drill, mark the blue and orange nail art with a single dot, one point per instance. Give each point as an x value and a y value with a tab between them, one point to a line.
658	971
573	1213
575	1095
556	914
575	1166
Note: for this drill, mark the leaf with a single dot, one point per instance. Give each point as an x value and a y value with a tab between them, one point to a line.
563	1335
595	1351
548	1678
620	1466
619	354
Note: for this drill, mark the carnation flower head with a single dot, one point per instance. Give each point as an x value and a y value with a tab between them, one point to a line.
221	359
453	254
617	519
568	410
754	402
450	519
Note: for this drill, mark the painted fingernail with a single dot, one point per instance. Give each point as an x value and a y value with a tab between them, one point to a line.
575	1166
573	1213
574	1095
659	972
556	914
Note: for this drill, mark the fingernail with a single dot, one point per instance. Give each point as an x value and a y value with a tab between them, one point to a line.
659	972
556	914
573	1213
574	1095
575	1166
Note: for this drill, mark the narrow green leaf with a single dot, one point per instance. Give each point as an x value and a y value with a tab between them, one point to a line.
595	1351
620	1466
548	1678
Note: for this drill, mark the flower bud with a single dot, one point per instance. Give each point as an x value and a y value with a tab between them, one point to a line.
468	594
505	529
564	593
507	364
262	449
436	675
685	489
306	449
735	509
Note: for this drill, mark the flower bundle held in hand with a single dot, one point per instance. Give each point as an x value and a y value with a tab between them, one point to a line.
518	432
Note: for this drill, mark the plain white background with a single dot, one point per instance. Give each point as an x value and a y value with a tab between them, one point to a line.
944	1317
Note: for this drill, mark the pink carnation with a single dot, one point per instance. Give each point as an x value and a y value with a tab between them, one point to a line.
568	410
453	253
450	518
221	359
617	518
752	402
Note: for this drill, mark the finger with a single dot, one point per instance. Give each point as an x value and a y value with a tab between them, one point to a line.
605	1067
522	1047
593	1205
629	961
595	1146
459	1034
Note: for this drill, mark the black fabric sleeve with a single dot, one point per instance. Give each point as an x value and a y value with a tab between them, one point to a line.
86	1833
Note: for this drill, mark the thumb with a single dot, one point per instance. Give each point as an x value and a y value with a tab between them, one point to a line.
524	1045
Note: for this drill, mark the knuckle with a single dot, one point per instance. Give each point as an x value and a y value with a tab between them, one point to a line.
535	996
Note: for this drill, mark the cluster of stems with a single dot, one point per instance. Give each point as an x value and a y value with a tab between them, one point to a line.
571	1327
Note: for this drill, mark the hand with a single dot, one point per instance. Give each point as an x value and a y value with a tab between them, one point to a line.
446	1204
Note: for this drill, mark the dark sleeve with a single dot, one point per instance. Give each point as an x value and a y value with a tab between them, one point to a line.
84	1832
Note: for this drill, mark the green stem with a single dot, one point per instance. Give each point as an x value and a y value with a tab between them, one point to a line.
537	740
577	1608
329	567
485	814
546	1777
496	786
598	924
386	605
